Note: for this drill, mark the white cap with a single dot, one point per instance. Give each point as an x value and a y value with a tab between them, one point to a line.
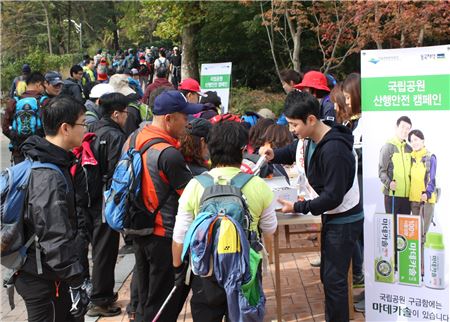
120	84
100	89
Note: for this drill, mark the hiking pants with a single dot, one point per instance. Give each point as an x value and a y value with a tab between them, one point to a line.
105	247
46	301
209	300
402	205
155	279
337	246
134	296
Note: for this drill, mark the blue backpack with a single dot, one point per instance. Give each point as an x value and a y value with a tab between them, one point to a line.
27	120
124	208
220	243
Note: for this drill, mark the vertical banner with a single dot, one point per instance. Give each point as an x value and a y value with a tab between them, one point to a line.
405	96
217	77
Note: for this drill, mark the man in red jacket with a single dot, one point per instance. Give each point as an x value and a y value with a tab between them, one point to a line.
160	81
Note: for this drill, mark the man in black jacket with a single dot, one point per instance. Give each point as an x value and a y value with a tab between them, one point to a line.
107	149
331	169
72	85
51	281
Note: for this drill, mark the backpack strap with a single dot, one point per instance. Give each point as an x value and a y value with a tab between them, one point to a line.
241	179
205	179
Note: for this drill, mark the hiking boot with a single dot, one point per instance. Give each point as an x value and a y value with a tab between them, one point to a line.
360	306
110	310
359	297
358	281
315	262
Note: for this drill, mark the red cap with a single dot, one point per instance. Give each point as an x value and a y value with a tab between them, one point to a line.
315	80
190	84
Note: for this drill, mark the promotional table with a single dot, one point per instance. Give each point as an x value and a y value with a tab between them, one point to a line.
286	220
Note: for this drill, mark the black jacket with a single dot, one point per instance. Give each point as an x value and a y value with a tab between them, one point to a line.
330	172
50	213
107	149
73	88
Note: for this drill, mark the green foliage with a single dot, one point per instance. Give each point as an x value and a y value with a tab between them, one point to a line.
245	99
38	60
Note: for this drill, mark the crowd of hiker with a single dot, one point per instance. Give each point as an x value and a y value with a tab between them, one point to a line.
124	146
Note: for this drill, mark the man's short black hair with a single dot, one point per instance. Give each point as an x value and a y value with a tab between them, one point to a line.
35	78
88	60
299	105
290	75
61	109
404	119
75	69
161	72
226	141
113	102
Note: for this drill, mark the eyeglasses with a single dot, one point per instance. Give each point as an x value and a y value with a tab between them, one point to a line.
82	124
57	85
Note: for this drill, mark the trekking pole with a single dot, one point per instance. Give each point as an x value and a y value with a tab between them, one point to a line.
164	304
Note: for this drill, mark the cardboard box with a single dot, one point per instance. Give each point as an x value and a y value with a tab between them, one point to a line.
281	189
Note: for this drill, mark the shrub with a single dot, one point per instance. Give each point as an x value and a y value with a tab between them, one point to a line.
38	60
244	99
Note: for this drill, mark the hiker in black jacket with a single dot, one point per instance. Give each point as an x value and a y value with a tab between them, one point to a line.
107	149
331	169
52	273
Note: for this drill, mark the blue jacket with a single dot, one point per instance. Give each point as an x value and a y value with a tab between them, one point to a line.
232	256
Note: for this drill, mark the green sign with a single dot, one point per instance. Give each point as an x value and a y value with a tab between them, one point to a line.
406	93
215	81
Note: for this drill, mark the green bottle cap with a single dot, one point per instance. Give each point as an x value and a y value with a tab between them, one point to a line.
434	241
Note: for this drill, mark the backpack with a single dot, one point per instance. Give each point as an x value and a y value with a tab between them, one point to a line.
21	86
26	120
162	63
124	208
221	244
143	70
144	111
222	201
13	192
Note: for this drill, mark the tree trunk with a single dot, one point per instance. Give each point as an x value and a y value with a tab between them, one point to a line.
49	35
189	63
115	30
420	40
271	40
69	9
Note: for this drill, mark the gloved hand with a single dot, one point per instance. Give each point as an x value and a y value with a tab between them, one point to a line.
180	274
80	300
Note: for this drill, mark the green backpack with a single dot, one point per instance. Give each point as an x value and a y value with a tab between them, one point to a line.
144	111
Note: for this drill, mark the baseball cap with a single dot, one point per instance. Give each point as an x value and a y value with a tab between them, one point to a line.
100	89
26	68
190	84
266	113
120	84
54	78
169	102
199	127
314	79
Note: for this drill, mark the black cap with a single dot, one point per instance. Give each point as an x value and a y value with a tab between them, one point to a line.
211	97
54	78
199	127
